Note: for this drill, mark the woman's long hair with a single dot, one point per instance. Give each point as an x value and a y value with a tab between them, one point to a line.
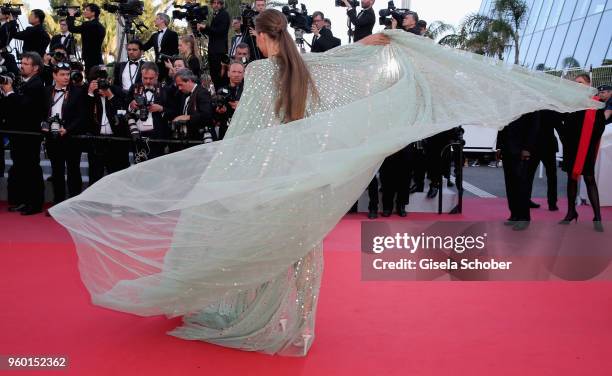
189	39
294	79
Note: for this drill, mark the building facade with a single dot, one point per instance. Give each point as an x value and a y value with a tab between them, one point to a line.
558	34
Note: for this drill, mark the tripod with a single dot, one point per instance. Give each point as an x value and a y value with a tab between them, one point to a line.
126	33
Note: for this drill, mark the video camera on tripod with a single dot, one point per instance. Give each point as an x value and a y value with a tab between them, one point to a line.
193	13
62	10
385	15
11	9
298	19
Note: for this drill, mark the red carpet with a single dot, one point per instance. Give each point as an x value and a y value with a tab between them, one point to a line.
373	328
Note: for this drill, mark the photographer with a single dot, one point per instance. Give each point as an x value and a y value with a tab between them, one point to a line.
24	109
217	40
7	60
102	106
163	42
57	54
237	38
35	38
64	106
248	30
364	21
195	106
227	99
92	34
422	26
323	38
6	28
127	73
153	99
243	53
65	39
409	23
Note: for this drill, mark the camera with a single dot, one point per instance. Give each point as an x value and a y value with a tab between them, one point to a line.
52	125
194	13
163	57
141	111
222	98
353	3
179	129
59	56
394	12
129	8
102	78
298	19
11	9
248	15
62	11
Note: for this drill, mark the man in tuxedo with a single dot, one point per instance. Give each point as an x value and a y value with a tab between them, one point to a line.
67	102
5	30
164	41
323	38
156	124
409	23
217	40
364	21
237	38
545	151
102	106
196	108
223	114
65	39
127	73
92	34
35	37
517	143
24	112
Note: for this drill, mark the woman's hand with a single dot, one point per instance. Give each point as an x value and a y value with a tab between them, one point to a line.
378	39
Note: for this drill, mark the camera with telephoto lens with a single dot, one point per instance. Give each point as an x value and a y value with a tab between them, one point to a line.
141	111
192	12
59	56
62	10
129	119
102	78
76	73
248	14
126	8
222	98
298	19
163	58
179	129
206	134
353	3
6	77
11	9
385	15
52	126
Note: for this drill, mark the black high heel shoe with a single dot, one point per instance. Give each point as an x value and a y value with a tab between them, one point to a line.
597	225
569	218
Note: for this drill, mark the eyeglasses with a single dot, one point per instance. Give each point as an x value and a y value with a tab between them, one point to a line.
61	65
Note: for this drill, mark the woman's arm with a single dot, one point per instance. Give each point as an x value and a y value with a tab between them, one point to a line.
378	39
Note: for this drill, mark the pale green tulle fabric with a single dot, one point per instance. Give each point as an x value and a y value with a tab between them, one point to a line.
229	234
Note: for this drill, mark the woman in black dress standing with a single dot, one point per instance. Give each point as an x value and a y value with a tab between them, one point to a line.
581	136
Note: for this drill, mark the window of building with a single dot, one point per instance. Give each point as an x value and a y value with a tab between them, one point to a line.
544	13
544	48
571	39
601	41
586	38
568	10
533	17
581	9
597	6
555	13
533	49
555	46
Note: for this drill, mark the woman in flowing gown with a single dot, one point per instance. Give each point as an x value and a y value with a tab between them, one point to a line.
228	234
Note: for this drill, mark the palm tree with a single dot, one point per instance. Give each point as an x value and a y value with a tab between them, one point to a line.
513	13
438	28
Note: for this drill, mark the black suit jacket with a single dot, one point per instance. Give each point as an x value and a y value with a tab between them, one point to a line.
199	110
364	22
9	62
217	33
326	41
69	43
169	44
546	140
25	109
94	106
75	119
118	75
160	120
6	31
234	43
92	36
34	38
520	135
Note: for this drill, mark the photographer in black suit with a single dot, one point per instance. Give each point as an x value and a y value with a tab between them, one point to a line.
156	124
24	109
323	38
217	40
233	92
409	23
127	73
67	102
364	21
164	41
196	108
65	39
102	105
92	34
35	37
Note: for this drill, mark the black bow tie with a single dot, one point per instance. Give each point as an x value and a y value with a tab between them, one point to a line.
133	62
60	90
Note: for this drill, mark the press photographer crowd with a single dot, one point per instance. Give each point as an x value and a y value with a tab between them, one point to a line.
57	92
